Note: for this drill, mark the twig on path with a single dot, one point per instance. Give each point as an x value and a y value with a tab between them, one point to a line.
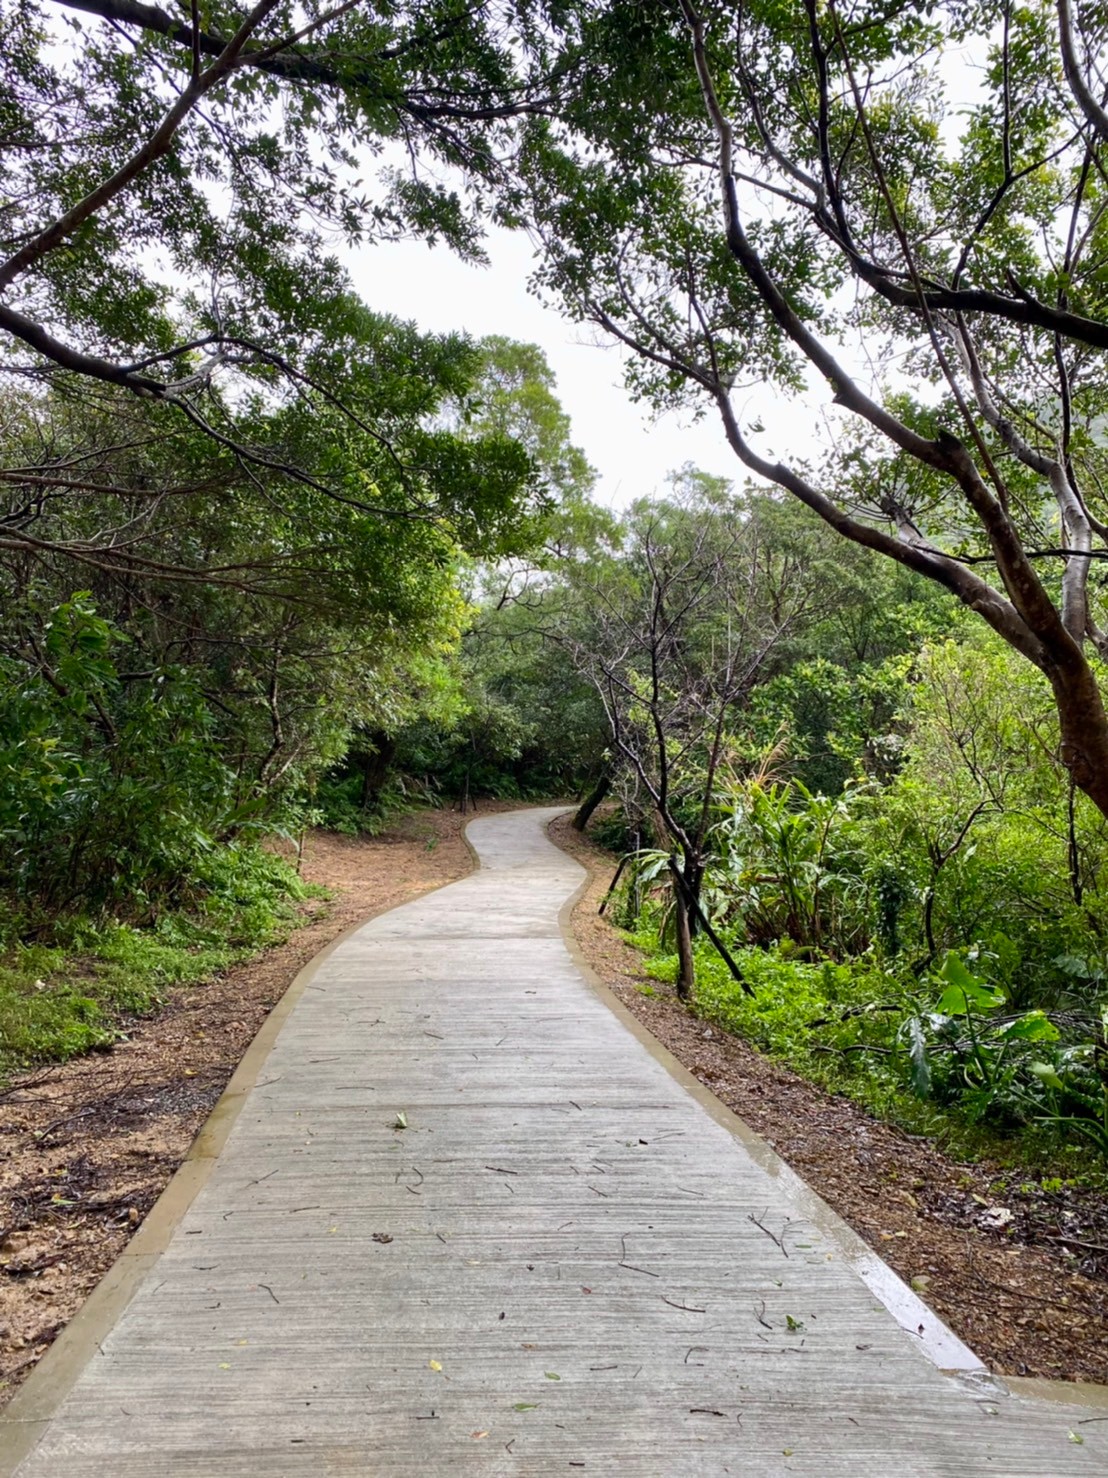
780	1241
686	1307
270	1291
630	1266
1073	1242
260	1178
760	1314
702	1349
25	1083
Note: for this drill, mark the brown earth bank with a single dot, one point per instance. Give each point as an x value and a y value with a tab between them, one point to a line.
87	1147
1019	1274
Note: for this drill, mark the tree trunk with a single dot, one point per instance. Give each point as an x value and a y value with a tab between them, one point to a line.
693	874
686	970
591	801
1084	749
376	759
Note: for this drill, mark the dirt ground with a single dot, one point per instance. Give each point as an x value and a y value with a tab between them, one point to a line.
1020	1275
87	1147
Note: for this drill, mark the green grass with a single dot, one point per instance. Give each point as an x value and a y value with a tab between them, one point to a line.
72	995
826	1021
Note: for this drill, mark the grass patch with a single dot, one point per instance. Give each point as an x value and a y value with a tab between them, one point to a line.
70	995
836	1025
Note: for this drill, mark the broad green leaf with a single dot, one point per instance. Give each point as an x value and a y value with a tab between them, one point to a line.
1036	1026
1046	1074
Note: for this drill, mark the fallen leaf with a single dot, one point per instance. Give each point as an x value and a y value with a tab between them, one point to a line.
434	1365
478	1435
382	1237
995	1219
525	1406
550	1375
400	1122
1076	1437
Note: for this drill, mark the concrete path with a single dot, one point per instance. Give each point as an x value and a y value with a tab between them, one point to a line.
555	1267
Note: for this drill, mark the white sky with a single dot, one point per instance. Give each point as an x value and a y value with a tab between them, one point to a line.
631	452
631	455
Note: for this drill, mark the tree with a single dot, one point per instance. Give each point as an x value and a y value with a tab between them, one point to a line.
526	724
748	196
174	182
248	623
675	632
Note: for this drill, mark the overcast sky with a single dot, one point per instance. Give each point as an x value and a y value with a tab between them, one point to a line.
631	454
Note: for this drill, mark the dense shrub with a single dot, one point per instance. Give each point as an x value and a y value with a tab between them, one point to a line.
933	937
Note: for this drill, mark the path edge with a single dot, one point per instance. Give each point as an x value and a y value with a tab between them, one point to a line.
938	1342
24	1420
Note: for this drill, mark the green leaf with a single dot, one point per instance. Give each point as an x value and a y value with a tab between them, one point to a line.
1046	1074
920	1071
1036	1026
965	993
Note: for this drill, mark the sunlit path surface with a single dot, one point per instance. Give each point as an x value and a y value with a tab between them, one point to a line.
551	1268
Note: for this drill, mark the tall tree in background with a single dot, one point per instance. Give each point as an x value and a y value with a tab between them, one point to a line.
786	194
174	182
675	632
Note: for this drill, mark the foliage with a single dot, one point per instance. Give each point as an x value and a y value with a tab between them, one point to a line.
934	933
110	794
802	196
175	197
76	993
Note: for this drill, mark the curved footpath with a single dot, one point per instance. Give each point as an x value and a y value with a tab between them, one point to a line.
564	1262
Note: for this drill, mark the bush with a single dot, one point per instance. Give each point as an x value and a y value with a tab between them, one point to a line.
70	996
111	793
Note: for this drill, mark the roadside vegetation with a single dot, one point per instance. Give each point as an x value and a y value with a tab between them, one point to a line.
270	559
890	881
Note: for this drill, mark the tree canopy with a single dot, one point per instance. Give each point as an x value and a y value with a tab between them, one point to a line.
803	195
